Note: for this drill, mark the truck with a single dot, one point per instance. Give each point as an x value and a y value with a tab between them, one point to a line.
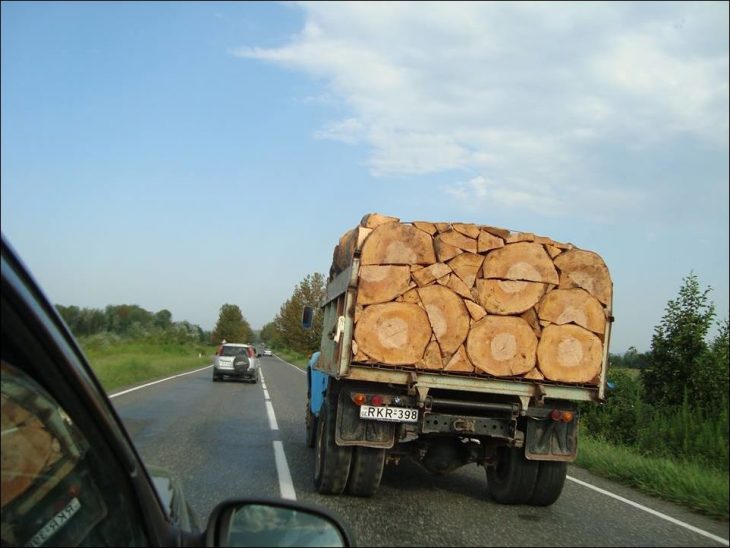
452	344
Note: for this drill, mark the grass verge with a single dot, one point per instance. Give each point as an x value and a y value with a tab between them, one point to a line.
126	364
692	485
296	358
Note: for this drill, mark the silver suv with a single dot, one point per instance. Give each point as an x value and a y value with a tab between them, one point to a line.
235	360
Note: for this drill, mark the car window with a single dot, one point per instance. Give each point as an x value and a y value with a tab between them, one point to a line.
56	489
233	351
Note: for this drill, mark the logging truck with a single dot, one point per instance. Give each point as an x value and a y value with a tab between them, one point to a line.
456	343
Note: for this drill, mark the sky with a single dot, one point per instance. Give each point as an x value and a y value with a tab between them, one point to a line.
183	155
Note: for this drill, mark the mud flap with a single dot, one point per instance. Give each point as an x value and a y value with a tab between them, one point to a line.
550	440
352	430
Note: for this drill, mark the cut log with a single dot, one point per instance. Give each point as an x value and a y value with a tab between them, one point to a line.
448	316
476	311
553	251
569	353
576	306
429	228
411	296
444	280
530	316
430	274
457	239
466	266
499	232
393	333
502	346
506	297
442	227
374	220
458	286
444	251
516	237
431	358
382	283
534	373
396	243
470	230
350	241
460	362
487	241
585	269
521	261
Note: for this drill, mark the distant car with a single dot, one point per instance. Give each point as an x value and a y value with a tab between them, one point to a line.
267	352
235	360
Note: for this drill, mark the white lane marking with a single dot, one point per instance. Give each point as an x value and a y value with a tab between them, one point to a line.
286	486
272	417
161	380
653	512
266	395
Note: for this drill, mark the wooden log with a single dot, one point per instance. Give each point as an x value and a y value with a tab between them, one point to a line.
579	268
502	346
534	373
520	261
349	242
447	315
530	316
516	237
487	242
457	239
460	362
576	306
506	297
445	251
382	283
553	251
467	229
499	232
431	273
459	287
466	266
396	243
393	333
569	353
429	228
431	358
374	220
442	227
475	310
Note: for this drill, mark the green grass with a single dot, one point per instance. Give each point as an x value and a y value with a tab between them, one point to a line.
693	485
123	364
291	356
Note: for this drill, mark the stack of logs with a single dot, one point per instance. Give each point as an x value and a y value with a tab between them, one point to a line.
476	299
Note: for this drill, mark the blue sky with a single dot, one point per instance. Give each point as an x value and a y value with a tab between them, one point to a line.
186	155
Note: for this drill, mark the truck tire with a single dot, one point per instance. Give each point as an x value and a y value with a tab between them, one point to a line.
310	421
332	462
365	471
513	480
549	484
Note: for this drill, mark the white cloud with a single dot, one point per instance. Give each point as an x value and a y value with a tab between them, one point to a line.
522	94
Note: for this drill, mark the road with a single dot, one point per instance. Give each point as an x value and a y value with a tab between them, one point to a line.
220	440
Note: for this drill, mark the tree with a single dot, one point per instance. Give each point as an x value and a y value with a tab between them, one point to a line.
680	362
231	326
288	322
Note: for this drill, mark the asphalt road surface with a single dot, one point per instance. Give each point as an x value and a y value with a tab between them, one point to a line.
233	439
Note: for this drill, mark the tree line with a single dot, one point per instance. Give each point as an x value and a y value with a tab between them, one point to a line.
130	321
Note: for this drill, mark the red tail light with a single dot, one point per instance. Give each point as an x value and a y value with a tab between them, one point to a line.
376	400
556	415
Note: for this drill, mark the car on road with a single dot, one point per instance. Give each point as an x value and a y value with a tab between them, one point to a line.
235	360
267	352
71	475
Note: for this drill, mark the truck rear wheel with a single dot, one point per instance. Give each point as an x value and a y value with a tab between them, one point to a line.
332	462
549	484
513	480
365	471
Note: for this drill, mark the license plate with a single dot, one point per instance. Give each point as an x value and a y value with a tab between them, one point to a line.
391	414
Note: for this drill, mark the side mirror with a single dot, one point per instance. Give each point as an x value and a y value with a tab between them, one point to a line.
267	522
307	317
